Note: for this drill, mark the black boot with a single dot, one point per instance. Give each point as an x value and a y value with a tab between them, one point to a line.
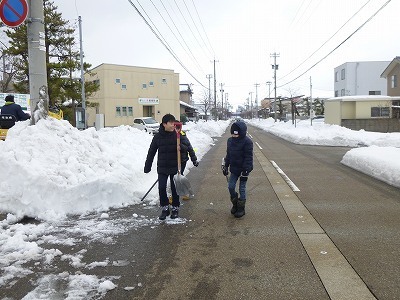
175	212
164	212
240	208
234	201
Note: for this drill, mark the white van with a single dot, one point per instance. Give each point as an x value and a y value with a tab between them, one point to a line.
147	124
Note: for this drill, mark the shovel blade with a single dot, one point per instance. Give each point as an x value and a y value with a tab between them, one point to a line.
182	185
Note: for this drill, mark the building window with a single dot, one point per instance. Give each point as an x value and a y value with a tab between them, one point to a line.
394	81
343	74
118	111
164	81
124	111
144	86
117	80
377	112
123	86
151	83
374	92
342	92
336	76
130	111
336	93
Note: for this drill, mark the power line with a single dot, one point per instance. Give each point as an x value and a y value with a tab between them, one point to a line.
188	48
165	44
369	19
213	52
197	29
326	40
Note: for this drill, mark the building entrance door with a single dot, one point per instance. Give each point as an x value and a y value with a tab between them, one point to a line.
148	111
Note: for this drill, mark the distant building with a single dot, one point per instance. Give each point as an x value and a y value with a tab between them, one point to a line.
360	78
371	113
392	76
128	92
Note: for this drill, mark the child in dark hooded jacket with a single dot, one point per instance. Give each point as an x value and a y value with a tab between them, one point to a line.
239	161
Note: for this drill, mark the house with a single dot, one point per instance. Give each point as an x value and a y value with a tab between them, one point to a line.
186	102
371	113
128	92
392	75
360	78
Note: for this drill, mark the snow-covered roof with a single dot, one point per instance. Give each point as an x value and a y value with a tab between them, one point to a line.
363	98
187	105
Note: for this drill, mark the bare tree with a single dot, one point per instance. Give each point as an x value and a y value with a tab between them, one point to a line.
206	102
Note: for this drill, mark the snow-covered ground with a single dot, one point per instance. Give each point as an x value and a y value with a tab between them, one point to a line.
75	181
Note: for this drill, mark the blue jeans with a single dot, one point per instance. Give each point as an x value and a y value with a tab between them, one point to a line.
162	190
232	185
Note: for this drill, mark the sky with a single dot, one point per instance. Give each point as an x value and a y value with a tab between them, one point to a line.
240	36
70	179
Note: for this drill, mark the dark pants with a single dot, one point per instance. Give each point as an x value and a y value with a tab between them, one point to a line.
183	166
242	186
162	190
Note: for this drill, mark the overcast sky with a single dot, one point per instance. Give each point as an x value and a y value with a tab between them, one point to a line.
241	36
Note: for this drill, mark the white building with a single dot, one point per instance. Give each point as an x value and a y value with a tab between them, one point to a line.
360	78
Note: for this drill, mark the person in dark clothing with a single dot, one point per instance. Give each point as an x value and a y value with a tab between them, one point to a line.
186	151
11	108
238	160
167	164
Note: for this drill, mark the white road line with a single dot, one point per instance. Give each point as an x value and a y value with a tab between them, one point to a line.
287	179
258	145
250	135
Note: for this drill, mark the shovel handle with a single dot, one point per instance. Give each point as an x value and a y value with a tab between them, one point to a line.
178	142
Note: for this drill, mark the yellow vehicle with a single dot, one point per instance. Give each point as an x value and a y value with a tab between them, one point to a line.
58	115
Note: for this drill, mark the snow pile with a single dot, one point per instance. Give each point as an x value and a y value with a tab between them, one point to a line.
52	169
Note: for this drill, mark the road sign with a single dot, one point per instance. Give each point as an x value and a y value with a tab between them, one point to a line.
13	12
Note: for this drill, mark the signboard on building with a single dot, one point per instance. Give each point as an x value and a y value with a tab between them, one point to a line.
149	101
21	99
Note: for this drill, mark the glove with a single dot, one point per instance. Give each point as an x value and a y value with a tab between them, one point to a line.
147	169
225	171
245	174
196	163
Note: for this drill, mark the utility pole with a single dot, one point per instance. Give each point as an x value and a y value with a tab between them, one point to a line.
274	67
222	99
311	106
37	61
209	76
82	73
256	85
215	94
226	104
269	88
251	105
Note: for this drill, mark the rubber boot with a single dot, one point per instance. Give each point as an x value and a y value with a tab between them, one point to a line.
234	201
240	208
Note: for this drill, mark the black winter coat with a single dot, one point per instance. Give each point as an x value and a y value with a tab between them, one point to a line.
11	108
239	152
186	149
165	143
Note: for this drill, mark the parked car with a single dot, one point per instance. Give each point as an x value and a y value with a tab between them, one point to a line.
147	124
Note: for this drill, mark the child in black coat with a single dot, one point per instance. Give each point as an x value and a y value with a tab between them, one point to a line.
239	160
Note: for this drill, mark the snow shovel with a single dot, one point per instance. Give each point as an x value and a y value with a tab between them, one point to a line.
145	195
182	184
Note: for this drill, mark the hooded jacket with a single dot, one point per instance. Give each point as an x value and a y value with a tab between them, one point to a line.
239	151
11	108
165	143
186	149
